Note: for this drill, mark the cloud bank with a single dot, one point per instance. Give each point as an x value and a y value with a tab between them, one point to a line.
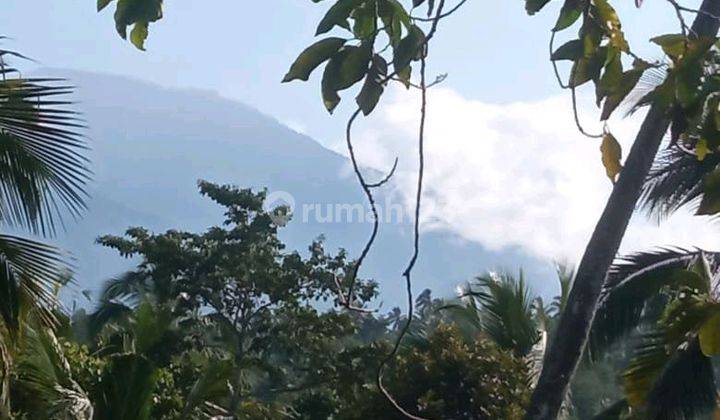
511	175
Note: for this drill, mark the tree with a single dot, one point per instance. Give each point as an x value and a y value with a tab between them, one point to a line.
668	299
597	55
686	52
43	173
234	292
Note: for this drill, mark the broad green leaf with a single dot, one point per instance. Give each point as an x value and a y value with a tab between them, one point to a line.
330	97
588	68
571	50
312	57
364	20
611	24
710	203
337	15
569	14
372	89
409	48
345	68
611	155
354	62
709	335
534	6
139	34
611	76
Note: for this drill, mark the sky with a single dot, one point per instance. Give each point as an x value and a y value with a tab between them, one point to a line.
506	166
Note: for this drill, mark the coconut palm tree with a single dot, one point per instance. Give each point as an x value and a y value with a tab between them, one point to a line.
43	175
669	301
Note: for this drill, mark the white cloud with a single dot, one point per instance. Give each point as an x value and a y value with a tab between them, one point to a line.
510	175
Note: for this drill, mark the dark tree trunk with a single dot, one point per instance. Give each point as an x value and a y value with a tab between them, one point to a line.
567	346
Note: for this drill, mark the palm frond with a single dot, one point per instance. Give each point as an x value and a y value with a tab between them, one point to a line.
29	273
43	171
45	374
617	411
126	388
675	180
507	312
635	281
211	385
679	384
107	312
129	286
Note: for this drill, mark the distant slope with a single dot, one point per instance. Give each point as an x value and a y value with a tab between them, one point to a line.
151	145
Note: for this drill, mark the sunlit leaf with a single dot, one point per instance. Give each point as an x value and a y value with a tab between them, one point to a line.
611	156
612	26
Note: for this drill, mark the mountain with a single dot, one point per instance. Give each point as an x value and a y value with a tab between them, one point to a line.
150	145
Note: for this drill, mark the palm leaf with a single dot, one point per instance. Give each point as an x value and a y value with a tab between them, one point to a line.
29	274
675	180
507	312
45	373
635	282
43	171
669	376
126	388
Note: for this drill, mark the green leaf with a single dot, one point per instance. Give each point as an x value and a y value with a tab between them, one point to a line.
364	20
130	12
101	4
404	76
701	149
611	24
619	92
571	50
312	57
139	34
569	14
534	6
672	44
710	202
588	68
611	155
372	89
337	15
611	77
409	48
709	335
345	68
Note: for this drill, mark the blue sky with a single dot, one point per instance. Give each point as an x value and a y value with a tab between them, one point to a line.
492	51
506	166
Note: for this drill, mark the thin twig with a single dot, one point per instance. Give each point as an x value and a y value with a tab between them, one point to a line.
387	178
443	16
371	199
416	252
577	118
554	64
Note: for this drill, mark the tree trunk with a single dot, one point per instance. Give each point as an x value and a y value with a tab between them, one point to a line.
572	333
